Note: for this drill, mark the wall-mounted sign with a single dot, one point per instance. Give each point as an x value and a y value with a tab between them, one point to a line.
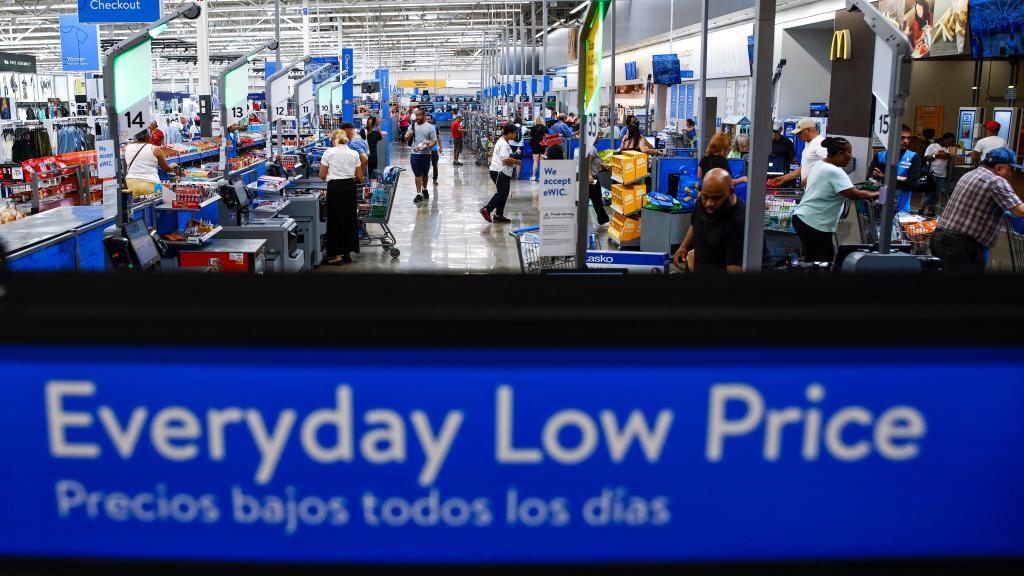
17	63
120	11
423	84
79	45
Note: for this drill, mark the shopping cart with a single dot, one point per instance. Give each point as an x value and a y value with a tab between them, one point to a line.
778	212
919	235
1015	234
377	210
869	219
530	260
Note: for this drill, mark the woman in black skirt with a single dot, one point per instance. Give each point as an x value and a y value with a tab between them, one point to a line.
339	167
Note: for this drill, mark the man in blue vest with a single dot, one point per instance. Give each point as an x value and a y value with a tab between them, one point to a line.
907	174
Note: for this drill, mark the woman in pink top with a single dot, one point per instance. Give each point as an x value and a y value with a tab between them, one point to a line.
403	125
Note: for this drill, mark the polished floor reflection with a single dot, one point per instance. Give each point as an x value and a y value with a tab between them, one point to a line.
447	234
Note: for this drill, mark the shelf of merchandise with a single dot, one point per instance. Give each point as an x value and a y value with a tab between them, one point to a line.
245	169
204	204
195	240
618	209
618	180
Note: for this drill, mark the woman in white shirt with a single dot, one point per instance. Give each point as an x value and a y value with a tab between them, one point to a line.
143	159
502	167
339	166
817	216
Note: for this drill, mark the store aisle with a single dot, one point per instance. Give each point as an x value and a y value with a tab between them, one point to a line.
448	234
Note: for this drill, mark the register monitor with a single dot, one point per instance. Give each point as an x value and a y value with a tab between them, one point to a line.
142	246
776	166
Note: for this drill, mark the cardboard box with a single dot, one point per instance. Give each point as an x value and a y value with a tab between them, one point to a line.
623	198
639	163
626	167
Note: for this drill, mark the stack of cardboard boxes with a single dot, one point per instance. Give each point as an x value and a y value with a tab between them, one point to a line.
627	199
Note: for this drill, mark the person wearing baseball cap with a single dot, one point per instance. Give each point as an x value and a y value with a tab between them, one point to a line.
807	131
988	143
782	146
970	222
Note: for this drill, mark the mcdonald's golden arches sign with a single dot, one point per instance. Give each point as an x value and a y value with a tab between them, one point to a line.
840	45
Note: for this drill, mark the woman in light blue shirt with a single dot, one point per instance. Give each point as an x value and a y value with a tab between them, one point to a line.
817	216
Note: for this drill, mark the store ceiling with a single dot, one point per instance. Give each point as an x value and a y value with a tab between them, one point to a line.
395	34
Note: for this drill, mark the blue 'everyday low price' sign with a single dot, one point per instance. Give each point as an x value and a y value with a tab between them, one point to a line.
406	456
118	11
79	45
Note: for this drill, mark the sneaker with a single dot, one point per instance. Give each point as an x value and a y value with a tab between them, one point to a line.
418	198
426	195
486	214
435	181
499	219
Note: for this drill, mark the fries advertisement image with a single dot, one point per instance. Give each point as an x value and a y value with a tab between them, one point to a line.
933	27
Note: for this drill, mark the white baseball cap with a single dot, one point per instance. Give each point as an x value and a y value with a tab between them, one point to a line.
804	125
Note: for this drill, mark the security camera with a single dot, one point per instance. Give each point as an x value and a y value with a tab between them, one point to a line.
193	12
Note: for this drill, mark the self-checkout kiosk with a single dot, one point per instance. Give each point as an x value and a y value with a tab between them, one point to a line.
243	218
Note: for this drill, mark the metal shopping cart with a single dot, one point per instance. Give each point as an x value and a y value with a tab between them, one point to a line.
530	260
377	210
778	212
1015	234
869	219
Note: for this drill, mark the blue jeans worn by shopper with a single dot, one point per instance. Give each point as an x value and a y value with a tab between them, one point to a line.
932	198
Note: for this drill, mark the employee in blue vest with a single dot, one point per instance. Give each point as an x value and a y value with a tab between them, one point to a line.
907	174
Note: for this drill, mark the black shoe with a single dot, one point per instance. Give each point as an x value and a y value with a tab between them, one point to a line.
435	182
418	198
499	219
426	195
346	259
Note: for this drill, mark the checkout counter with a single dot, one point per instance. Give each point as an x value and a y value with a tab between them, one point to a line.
69	238
241	220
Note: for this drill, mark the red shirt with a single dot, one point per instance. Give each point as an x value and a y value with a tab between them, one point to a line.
156	137
457	129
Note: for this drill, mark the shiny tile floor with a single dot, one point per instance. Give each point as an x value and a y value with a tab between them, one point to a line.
447	234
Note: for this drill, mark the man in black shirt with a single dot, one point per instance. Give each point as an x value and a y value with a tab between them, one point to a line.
714	242
782	146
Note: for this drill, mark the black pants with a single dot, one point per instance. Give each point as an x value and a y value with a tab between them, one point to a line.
503	183
433	162
817	245
959	253
598	202
342	221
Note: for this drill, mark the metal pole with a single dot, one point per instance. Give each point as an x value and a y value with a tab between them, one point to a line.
522	50
533	51
277	36
702	120
544	72
203	61
671	24
760	147
613	117
305	27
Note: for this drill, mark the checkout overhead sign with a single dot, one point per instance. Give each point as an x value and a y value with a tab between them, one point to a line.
118	11
415	456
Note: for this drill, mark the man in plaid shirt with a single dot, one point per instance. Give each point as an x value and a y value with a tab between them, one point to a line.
970	223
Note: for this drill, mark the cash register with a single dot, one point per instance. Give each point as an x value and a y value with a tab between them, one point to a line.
135	248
